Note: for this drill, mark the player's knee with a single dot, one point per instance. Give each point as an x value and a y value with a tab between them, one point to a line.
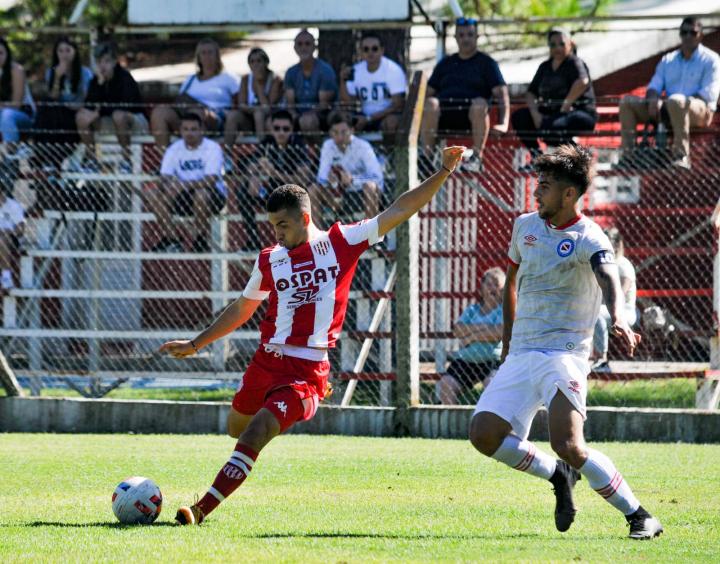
483	437
570	450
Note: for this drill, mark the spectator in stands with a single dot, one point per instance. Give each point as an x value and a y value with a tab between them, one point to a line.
113	101
208	93
259	92
310	86
690	79
349	177
629	288
380	86
560	98
459	94
12	225
17	108
192	185
66	82
281	158
479	329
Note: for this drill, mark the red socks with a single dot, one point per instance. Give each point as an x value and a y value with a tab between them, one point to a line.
229	478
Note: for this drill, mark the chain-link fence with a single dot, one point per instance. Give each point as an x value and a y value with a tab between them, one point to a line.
115	260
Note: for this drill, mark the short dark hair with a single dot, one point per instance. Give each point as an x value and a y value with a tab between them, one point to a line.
691	20
190	116
339	117
105	48
372	35
282	114
569	163
288	197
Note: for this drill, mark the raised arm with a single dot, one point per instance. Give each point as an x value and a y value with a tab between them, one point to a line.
413	200
234	316
509	306
608	279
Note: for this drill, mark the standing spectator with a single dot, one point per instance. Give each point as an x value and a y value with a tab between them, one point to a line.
208	93
459	93
17	108
67	82
192	185
690	78
310	86
349	177
479	329
629	288
259	92
560	98
113	99
379	84
282	158
12	225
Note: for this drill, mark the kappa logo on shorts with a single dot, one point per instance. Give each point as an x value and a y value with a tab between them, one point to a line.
282	406
565	247
574	386
530	240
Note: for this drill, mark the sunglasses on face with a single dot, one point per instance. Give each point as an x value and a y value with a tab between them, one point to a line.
254	61
284	128
552	44
369	48
691	32
466	21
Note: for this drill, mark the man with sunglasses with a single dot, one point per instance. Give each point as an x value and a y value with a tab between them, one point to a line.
379	84
690	78
459	94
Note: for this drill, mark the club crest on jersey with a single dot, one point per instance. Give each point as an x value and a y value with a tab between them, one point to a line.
565	247
321	247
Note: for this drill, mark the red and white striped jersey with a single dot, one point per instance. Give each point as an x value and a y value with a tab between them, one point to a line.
308	286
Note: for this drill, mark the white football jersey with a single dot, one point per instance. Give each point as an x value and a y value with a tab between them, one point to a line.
558	297
376	89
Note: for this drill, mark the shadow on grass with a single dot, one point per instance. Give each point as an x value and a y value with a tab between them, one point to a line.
101	524
341	535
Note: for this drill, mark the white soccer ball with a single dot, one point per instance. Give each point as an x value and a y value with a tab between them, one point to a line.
137	500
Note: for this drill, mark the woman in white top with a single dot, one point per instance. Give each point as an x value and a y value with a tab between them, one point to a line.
17	111
208	93
259	91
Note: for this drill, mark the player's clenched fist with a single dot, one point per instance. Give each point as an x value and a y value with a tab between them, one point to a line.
178	349
451	156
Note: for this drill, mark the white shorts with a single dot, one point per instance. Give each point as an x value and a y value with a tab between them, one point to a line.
528	380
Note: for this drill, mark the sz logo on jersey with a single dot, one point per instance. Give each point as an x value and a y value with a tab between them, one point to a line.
304	296
565	247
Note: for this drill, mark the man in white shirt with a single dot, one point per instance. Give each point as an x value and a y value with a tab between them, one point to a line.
12	224
690	78
349	176
191	185
379	84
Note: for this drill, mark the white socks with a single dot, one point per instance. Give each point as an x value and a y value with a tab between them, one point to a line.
524	456
604	478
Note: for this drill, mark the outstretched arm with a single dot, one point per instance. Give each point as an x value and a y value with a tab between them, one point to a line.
235	315
509	306
413	200
608	279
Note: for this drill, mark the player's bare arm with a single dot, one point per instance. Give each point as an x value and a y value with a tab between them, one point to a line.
413	200
608	278
509	306
234	316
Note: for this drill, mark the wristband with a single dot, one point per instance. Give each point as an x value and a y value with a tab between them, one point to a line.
192	342
446	168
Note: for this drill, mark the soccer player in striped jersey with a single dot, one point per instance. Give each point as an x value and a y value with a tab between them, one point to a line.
561	265
306	279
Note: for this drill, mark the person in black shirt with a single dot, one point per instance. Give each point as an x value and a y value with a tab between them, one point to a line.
114	94
459	93
560	98
281	158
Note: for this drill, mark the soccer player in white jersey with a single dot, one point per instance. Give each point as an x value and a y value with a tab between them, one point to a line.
560	266
306	278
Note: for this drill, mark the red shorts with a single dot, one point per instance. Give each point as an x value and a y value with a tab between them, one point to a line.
305	380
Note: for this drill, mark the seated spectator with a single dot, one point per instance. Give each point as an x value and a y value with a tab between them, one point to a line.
690	79
259	92
191	185
479	329
560	98
380	86
66	82
208	93
459	93
349	177
281	158
629	288
12	225
310	87
17	108
113	101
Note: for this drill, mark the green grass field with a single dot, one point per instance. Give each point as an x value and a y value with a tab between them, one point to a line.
340	499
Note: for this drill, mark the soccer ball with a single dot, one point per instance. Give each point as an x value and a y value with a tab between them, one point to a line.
137	500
